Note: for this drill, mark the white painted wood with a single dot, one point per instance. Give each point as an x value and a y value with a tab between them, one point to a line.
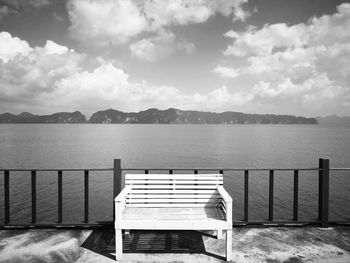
172	205
174	224
118	244
229	254
219	235
174	202
171	176
173	195
227	198
181	213
122	195
150	186
178	191
173	182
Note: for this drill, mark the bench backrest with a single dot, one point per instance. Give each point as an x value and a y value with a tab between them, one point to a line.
173	190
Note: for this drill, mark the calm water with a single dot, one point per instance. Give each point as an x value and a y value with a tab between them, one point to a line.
175	146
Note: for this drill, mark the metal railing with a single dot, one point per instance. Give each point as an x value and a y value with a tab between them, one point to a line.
323	192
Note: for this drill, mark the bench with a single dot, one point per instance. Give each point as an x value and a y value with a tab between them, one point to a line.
173	202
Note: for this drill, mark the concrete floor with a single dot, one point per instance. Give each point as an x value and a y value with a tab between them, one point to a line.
275	244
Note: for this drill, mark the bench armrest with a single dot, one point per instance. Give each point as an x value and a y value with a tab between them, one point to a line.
122	195
228	203
120	203
227	198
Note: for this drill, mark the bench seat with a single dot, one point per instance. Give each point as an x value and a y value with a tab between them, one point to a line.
173	218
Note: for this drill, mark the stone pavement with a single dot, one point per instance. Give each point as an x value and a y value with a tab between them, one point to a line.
274	244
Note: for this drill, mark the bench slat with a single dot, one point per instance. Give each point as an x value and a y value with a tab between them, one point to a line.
133	182
173	176
175	195
169	200
170	187
173	205
177	191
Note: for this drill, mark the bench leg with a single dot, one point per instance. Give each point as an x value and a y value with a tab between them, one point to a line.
229	255
118	244
219	236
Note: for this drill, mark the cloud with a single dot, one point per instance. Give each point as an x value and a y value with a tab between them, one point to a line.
27	73
108	86
304	63
12	46
55	78
312	89
105	22
118	21
159	47
226	71
58	17
325	30
6	11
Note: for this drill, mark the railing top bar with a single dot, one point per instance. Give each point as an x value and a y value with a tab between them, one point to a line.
174	169
339	169
55	170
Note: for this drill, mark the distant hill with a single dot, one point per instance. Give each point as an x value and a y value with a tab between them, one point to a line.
173	116
334	120
155	116
59	117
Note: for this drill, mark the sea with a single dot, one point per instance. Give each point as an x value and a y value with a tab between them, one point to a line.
60	146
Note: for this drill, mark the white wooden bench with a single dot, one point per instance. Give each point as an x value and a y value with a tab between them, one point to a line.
173	202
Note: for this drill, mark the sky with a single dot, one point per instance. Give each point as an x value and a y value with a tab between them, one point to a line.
252	56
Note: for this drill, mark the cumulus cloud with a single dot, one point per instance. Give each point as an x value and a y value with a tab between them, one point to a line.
117	21
27	73
110	86
159	47
105	22
306	62
12	46
324	30
226	71
55	78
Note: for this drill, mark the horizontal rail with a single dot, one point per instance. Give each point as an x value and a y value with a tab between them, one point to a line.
167	169
58	169
110	225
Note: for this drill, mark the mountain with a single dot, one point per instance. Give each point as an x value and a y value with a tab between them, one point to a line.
334	120
169	116
172	116
59	117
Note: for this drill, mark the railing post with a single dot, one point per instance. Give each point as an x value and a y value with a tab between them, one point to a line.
324	192
271	186
86	196
117	180
246	194
59	197
295	195
320	183
7	196
33	176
